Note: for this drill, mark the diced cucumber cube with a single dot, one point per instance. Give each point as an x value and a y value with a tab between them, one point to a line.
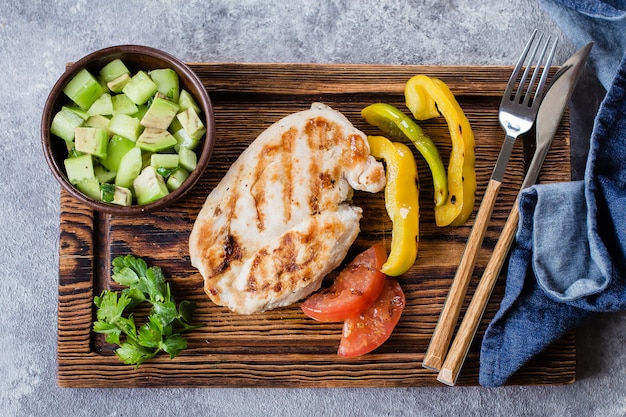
186	101
83	89
176	179
149	186
65	123
145	158
103	106
118	84
184	140
167	82
113	70
191	122
160	114
118	147
80	112
79	168
187	159
140	88
156	140
90	187
92	140
124	105
98	121
111	193
163	160
103	175
125	125
70	148
129	168
174	126
141	111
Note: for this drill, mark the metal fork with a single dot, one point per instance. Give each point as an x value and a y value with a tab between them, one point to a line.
518	110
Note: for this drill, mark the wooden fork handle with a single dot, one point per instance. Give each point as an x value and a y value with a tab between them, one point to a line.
440	341
467	330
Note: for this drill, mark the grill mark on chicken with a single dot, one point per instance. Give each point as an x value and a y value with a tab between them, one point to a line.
288	140
322	137
257	190
358	149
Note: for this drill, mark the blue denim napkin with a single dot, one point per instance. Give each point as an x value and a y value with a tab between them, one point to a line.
568	259
600	22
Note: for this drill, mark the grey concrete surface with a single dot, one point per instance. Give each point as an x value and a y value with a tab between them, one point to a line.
37	38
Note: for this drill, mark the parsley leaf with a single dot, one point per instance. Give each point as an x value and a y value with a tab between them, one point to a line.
166	320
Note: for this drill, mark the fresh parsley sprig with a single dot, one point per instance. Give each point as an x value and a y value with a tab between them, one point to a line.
166	320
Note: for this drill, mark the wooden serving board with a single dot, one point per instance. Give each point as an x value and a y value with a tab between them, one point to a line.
283	348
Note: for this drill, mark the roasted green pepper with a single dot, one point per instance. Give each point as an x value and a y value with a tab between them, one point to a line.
400	127
401	202
427	98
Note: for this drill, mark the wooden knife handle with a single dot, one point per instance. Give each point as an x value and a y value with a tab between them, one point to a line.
467	330
438	347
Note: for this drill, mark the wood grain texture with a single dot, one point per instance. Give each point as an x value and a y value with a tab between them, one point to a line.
283	348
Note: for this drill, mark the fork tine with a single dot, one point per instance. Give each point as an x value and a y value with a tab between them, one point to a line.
544	76
518	67
522	82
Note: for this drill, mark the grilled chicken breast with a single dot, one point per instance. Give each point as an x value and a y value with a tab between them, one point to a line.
280	219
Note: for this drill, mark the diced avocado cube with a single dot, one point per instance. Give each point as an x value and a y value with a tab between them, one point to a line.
65	123
118	84
111	193
98	121
186	101
176	179
117	148
149	186
164	160
124	105
103	106
167	82
160	114
79	168
184	140
156	140
125	125
140	88
187	159
83	89
90	187
191	122
103	175
113	70
92	140
129	168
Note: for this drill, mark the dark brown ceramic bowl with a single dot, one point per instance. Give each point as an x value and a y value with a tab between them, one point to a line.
136	58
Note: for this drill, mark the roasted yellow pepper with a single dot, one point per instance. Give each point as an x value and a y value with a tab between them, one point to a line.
427	98
401	202
400	127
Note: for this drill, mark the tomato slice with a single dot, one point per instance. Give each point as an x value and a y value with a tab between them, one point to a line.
354	289
364	332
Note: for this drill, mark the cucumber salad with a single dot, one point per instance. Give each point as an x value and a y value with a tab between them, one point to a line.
130	137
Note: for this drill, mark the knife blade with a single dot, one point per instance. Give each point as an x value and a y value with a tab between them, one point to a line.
548	120
552	109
